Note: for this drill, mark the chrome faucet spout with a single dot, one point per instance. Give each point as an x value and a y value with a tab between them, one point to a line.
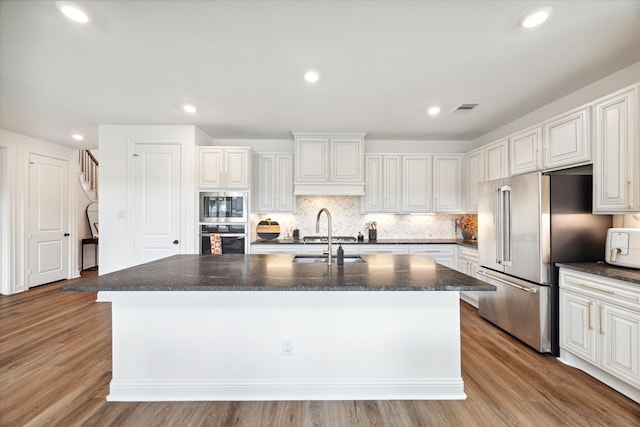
329	230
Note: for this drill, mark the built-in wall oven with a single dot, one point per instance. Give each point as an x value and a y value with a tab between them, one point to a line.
223	207
224	238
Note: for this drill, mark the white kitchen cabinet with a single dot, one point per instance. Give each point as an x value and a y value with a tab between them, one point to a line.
224	167
566	139
496	160
416	183
616	165
441	253
468	264
274	183
524	151
473	174
600	329
382	183
447	183
370	249
275	249
329	163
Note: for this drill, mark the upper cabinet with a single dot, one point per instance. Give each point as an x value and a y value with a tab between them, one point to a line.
496	160
413	183
273	183
566	139
483	164
224	167
447	183
560	142
382	183
416	183
524	151
329	163
616	184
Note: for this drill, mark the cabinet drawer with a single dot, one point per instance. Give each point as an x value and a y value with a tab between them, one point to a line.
275	249
468	254
432	250
604	289
384	249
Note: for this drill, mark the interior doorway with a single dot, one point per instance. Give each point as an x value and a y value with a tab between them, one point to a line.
49	220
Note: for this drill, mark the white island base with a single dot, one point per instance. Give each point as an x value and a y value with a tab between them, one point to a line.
281	345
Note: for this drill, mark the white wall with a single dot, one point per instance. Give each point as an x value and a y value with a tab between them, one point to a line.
16	149
618	80
116	195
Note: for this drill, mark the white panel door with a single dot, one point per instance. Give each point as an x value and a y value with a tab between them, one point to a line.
157	200
48	219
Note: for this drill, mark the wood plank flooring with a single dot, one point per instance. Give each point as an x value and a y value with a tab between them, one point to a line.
55	362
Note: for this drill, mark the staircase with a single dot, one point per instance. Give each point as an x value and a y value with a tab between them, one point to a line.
88	174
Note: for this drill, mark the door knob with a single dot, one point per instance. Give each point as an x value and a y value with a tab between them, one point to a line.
175	242
67	234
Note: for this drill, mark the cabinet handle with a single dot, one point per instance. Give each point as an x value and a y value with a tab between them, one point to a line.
627	195
593	288
601	330
638	198
590	322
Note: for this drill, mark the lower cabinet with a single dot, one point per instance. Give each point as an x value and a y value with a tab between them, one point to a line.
275	249
442	254
370	249
467	264
600	329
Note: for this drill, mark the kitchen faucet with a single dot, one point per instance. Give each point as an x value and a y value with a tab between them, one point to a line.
325	210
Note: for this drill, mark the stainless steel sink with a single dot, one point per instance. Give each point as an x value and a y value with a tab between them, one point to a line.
307	259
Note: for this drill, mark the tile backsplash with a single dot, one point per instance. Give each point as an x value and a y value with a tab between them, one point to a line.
348	220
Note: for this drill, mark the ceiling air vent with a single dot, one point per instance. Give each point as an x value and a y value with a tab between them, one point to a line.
465	107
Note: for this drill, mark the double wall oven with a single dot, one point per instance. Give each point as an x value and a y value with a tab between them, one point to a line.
224	221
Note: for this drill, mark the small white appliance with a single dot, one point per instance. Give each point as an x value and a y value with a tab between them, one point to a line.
623	247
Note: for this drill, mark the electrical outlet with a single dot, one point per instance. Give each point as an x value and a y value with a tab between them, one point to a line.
287	346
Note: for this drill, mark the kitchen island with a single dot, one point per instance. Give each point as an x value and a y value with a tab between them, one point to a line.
263	327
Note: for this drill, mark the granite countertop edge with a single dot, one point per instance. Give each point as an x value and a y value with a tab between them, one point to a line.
468	243
605	270
277	273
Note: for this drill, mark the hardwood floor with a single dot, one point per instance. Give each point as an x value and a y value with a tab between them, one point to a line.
55	361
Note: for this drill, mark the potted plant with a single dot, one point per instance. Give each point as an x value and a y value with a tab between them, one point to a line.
469	226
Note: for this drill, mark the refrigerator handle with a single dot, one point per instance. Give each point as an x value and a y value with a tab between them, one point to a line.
497	226
506	225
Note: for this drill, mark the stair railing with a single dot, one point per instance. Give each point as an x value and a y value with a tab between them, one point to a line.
89	166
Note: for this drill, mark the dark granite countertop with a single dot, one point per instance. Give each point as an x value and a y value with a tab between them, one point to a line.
605	270
279	273
283	241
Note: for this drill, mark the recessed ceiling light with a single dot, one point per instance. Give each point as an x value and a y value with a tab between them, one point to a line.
189	109
77	137
311	76
73	12
536	18
433	111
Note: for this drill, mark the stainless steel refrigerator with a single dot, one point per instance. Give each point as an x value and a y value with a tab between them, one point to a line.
526	224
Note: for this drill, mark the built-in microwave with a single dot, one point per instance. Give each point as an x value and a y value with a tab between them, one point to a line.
223	207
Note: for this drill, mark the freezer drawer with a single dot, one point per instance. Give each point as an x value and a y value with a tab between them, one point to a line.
519	307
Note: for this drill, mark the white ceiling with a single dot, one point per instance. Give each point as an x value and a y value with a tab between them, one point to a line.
382	64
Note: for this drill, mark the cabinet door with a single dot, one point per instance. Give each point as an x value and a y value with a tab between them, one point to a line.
524	151
473	174
446	184
372	201
416	184
391	184
236	168
578	325
567	139
211	168
346	160
620	342
370	249
265	197
496	158
284	199
312	155
615	166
